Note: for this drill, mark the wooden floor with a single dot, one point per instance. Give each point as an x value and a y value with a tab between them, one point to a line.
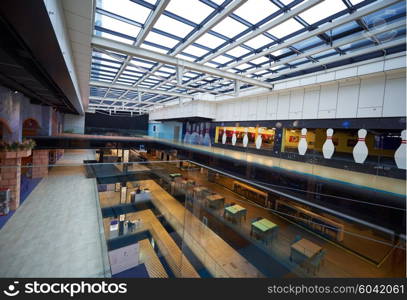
178	262
149	258
220	259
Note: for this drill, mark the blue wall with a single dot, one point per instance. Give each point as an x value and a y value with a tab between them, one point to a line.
164	130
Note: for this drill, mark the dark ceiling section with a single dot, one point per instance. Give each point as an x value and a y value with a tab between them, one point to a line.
31	61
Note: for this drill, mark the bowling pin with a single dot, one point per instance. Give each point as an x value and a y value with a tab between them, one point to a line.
224	136
328	148
234	137
258	139
360	150
187	134
245	138
207	138
400	154
303	145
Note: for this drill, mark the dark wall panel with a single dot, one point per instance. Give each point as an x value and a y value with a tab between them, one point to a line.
103	121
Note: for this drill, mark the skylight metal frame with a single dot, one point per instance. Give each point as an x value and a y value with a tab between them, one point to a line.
162	85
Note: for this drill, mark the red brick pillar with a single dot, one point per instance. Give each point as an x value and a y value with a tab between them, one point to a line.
10	178
40	163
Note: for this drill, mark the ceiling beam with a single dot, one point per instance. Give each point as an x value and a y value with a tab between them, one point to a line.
136	89
150	22
338	22
111	45
275	22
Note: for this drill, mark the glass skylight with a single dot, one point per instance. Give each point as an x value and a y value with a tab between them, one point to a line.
209	40
285	28
183	9
178	20
258	41
127	9
229	27
172	26
322	10
255	11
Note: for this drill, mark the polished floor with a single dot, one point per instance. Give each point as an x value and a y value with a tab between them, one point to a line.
56	232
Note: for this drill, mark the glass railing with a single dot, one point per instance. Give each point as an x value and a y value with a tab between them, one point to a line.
192	220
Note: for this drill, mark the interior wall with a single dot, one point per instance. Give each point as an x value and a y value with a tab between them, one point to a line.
370	97
165	130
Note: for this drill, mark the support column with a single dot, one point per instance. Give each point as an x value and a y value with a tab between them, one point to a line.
10	178
40	163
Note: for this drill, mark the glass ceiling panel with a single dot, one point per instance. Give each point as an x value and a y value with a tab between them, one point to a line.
105	68
238	51
195	51
199	12
258	41
285	28
210	41
229	27
160	39
127	9
255	11
322	10
172	26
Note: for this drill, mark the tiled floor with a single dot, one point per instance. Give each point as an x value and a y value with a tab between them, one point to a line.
56	232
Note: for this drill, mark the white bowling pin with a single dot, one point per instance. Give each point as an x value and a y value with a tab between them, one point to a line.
259	139
234	137
187	134
400	154
360	150
224	136
207	138
303	145
328	148
245	138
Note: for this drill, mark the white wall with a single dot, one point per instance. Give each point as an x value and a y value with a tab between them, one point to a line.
366	97
368	89
195	108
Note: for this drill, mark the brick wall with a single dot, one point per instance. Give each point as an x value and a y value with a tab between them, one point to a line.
40	163
10	178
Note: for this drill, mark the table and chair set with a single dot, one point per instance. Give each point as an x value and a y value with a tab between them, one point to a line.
307	254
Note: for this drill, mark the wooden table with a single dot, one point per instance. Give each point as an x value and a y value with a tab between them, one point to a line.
236	212
304	250
264	228
215	201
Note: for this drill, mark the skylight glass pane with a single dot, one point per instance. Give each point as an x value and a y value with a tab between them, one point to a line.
210	41
197	14
255	11
127	9
195	51
238	51
258	41
322	10
285	28
221	59
229	27
172	26
160	39
259	60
